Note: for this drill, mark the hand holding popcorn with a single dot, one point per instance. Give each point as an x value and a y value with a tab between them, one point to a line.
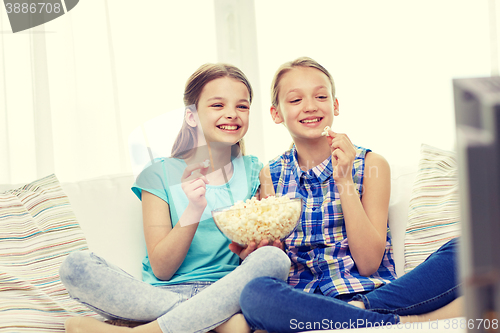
244	251
343	155
194	184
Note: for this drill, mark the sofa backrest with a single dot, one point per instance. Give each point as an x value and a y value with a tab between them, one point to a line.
402	179
111	218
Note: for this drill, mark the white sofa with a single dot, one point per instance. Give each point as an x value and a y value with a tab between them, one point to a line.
110	217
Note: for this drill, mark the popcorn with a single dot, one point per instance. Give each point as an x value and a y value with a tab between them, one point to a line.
253	220
206	163
325	131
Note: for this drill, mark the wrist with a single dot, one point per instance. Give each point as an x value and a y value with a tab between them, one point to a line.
195	210
345	187
344	181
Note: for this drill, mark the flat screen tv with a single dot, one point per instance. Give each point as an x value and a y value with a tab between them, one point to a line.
477	114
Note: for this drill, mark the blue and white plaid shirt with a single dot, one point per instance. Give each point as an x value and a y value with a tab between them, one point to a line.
318	248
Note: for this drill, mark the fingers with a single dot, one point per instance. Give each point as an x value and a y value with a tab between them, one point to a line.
262	243
247	250
243	252
277	243
198	189
235	248
343	154
194	189
194	184
339	154
342	142
194	177
341	139
199	168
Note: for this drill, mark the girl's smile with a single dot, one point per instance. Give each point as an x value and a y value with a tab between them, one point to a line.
312	121
229	128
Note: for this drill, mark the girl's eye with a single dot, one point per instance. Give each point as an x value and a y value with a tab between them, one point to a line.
322	97
295	100
245	107
216	105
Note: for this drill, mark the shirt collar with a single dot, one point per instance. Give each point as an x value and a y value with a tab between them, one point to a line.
321	171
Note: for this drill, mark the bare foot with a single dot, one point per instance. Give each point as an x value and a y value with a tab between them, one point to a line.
451	310
235	324
358	304
91	325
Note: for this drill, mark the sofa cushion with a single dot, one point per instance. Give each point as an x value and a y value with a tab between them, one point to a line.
433	215
37	231
110	216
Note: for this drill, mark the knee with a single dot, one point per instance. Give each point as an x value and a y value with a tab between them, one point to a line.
273	260
255	295
75	268
449	249
452	244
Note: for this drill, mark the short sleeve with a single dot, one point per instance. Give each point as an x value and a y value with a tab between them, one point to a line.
253	167
153	180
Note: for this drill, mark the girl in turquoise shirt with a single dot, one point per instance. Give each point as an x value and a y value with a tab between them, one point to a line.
186	253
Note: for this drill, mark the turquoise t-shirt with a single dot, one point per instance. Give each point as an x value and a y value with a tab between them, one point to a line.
208	257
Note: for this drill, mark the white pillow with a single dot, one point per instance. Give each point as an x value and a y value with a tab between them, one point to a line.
433	215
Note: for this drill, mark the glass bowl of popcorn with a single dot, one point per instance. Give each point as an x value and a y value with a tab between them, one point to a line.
254	220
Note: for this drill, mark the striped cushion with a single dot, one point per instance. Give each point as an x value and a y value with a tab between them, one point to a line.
37	230
433	215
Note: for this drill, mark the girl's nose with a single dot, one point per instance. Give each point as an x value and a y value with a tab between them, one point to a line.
310	105
231	113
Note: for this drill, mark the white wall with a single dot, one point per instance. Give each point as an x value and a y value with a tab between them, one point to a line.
392	62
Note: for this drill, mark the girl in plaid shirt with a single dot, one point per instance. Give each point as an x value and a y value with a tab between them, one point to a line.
342	248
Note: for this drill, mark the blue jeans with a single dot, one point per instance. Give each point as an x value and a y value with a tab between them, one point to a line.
113	293
274	306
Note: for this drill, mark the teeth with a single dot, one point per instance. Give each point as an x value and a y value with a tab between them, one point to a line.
310	120
224	127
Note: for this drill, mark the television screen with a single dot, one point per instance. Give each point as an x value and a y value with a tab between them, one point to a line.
477	114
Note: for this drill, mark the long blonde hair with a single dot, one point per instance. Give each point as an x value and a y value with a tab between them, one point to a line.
187	138
286	67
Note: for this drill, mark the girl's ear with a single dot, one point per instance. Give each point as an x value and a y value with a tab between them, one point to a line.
191	118
276	115
336	107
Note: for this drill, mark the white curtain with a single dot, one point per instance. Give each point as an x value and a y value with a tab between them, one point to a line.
73	89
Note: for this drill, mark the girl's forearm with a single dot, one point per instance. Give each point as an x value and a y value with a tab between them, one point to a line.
171	251
366	244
